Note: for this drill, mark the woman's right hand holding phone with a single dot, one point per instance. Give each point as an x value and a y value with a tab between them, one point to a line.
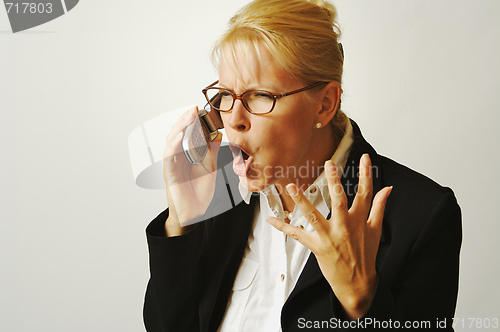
190	188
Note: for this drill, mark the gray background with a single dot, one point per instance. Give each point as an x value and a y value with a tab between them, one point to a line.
25	15
421	79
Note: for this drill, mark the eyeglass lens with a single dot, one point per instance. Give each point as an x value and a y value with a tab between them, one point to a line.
257	102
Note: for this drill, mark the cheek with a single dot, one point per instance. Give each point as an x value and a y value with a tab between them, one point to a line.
297	127
288	140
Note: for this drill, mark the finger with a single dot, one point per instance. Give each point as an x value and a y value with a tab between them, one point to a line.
174	138
315	218
364	193
376	217
337	195
173	148
304	237
184	120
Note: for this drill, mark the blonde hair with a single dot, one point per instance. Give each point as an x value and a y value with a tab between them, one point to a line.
300	35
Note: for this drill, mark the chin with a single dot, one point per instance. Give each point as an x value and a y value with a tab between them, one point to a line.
252	184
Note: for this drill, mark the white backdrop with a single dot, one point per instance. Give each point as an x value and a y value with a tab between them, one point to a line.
421	79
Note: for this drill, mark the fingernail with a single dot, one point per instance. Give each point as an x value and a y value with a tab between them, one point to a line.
365	159
270	220
330	166
291	189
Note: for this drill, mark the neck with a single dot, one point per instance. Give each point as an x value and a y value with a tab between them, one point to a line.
309	167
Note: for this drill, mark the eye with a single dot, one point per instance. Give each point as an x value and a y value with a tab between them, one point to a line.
225	96
224	93
262	95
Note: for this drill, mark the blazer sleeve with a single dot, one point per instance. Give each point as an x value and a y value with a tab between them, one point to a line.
171	300
178	264
417	284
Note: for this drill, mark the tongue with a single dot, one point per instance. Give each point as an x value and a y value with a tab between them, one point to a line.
240	165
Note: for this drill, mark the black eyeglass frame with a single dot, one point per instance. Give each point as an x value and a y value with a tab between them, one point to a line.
240	96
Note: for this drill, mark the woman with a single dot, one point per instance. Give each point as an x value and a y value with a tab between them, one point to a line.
312	247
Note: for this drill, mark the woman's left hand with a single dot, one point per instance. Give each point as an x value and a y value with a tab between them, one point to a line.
346	245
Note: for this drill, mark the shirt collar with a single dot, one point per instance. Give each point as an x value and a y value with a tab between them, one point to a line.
339	158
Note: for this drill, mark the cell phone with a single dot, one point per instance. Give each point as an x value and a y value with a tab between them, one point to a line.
200	133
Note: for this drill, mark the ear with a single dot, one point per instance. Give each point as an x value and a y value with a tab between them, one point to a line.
329	97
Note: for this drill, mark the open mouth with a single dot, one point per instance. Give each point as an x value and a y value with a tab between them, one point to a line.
242	160
245	155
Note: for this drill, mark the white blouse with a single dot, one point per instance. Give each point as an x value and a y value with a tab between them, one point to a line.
272	263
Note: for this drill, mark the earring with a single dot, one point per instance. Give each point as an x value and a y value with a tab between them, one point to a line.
318	125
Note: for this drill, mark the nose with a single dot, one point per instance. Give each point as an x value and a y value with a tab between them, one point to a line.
238	118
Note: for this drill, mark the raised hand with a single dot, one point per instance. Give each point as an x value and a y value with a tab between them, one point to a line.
190	188
346	245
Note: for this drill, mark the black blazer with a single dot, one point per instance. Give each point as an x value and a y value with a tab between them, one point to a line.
417	262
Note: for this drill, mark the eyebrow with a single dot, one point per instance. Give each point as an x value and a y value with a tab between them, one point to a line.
222	85
249	89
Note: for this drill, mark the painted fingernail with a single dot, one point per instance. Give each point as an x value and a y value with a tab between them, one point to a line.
291	189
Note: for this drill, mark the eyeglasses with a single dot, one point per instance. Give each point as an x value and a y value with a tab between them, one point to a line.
254	101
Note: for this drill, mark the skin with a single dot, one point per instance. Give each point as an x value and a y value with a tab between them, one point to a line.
286	137
189	188
345	245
